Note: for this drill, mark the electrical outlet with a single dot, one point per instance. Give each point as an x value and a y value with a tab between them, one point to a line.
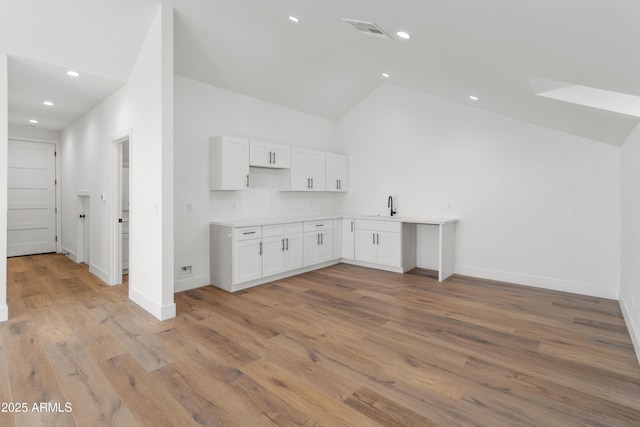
575	208
186	269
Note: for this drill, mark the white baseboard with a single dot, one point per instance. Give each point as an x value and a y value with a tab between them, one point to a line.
160	312
100	273
70	253
633	332
4	313
191	283
582	288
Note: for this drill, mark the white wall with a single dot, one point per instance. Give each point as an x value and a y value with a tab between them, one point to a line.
85	168
630	259
151	151
203	111
4	311
144	105
513	185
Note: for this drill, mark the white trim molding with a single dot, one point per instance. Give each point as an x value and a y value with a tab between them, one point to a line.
633	332
160	312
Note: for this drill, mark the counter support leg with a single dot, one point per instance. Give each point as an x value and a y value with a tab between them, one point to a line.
446	251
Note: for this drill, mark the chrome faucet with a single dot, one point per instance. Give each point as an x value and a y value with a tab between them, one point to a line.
390	205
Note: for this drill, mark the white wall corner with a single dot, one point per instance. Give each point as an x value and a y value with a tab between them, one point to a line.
633	332
99	273
159	311
71	254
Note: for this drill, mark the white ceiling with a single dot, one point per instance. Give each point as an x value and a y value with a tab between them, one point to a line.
322	66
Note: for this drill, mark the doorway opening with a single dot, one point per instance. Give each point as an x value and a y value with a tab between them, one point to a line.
83	234
121	173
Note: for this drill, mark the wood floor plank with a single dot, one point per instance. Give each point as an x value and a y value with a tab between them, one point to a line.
6	418
141	344
317	405
385	411
144	395
31	377
95	402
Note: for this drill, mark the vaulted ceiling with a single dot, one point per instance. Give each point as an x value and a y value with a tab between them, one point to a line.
492	49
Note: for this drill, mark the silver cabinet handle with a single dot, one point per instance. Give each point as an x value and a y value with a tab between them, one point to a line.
321	238
269	157
247	180
308	182
374	238
249	232
311	182
287	243
352	226
274	157
318	239
377	239
337	184
260	249
282	245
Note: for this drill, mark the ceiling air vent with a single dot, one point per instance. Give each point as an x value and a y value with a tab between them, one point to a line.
368	29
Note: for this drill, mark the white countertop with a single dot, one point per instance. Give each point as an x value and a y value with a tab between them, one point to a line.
248	222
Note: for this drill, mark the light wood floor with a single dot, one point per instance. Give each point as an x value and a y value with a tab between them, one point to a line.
340	346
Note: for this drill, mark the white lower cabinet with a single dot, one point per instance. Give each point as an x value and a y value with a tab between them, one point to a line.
246	260
318	242
282	252
378	242
293	252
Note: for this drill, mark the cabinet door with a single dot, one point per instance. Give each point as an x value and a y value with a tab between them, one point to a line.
325	249
272	255
281	156
300	178
317	170
365	247
348	238
389	246
229	163
311	248
337	172
293	252
260	154
246	260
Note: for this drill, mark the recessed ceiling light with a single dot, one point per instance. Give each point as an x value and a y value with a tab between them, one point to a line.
33	121
473	98
403	35
294	19
72	73
385	75
48	103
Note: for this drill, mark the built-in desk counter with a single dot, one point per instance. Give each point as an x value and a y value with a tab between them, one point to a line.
249	252
366	230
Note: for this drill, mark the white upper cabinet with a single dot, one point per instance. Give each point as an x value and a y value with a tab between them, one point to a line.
228	163
337	167
307	170
267	155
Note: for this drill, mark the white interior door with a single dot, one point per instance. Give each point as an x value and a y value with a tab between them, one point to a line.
31	198
86	230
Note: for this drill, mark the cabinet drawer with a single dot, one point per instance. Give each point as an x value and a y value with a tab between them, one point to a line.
372	224
246	233
293	228
318	225
272	230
